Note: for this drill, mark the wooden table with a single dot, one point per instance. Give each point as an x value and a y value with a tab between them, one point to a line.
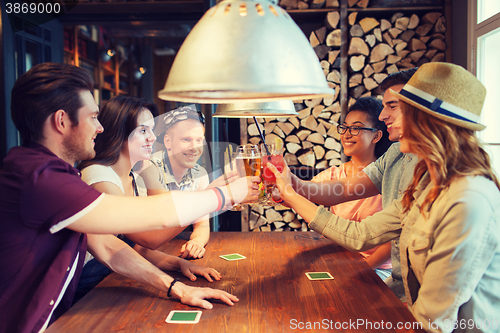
275	294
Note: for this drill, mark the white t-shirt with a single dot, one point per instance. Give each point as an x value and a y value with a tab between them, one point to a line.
97	173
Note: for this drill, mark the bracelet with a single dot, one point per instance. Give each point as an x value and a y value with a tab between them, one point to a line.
223	198
220	197
171	285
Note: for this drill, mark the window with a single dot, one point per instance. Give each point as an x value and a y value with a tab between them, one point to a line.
487	9
34	42
484	52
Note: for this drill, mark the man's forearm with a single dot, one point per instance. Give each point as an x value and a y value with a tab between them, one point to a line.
129	263
122	259
163	261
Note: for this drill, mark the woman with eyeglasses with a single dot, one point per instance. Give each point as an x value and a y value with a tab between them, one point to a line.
448	219
364	138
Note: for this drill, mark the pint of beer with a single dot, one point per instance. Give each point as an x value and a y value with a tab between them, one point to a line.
248	160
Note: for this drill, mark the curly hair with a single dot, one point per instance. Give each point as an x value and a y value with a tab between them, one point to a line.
448	152
372	108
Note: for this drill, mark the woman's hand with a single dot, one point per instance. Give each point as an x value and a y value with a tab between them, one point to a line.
283	182
190	271
192	249
198	296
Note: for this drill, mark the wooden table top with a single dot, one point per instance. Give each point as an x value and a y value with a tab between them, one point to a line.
275	294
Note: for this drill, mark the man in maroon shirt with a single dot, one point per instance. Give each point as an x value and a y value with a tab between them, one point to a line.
45	209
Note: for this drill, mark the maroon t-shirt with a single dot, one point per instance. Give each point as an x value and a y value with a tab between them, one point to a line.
40	193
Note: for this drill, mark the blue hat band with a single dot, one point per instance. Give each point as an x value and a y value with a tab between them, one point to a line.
436	105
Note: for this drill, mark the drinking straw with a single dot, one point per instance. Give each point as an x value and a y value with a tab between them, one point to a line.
226	139
229	153
261	135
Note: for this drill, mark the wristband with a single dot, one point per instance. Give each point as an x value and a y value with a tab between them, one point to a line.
223	198
171	285
220	197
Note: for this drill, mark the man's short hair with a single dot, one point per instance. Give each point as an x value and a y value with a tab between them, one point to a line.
42	91
394	79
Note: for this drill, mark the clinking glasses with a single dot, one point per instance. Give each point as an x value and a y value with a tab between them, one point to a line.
353	130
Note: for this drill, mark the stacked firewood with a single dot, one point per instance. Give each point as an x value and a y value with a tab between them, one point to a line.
311	138
316	4
381	47
377	48
276	218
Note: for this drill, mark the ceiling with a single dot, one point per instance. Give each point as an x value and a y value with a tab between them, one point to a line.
162	23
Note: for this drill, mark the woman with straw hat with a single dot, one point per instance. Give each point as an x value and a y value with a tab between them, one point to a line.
448	219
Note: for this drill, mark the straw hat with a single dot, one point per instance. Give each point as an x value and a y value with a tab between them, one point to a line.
448	92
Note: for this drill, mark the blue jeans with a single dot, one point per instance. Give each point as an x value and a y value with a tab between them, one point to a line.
383	273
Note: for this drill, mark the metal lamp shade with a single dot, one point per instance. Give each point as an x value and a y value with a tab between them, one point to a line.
245	50
248	109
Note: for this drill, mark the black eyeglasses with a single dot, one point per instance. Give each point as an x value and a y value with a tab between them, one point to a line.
353	130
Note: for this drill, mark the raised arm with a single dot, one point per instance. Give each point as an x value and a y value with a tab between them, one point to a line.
114	214
355	236
333	192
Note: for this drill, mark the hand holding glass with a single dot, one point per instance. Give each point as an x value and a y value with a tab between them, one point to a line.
271	153
246	161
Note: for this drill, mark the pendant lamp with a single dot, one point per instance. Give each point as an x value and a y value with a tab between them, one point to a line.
248	109
245	50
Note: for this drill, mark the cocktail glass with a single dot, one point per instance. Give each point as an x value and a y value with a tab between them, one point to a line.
271	153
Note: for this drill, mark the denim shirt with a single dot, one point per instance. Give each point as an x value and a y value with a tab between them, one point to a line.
453	250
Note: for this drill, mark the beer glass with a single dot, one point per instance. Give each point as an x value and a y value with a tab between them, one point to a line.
231	163
248	158
248	161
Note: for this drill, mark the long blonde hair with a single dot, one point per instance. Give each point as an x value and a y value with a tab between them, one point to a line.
447	151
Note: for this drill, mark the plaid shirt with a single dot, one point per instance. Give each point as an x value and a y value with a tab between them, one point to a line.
189	182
